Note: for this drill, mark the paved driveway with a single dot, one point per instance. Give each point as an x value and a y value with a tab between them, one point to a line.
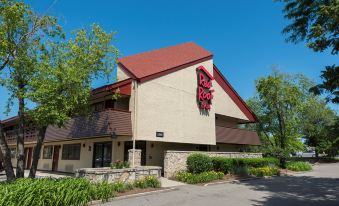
318	187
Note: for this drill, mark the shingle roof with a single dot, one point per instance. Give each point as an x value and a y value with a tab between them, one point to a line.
148	65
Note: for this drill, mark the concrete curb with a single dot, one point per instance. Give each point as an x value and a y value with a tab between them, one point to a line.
97	202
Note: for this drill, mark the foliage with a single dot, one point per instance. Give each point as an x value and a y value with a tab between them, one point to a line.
194	178
317	118
45	191
198	163
278	105
317	23
120	165
147	182
264	171
299	166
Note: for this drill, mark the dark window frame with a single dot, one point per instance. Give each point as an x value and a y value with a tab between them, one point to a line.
71	151
47	152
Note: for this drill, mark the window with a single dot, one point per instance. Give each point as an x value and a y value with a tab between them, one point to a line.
47	152
13	152
97	107
71	151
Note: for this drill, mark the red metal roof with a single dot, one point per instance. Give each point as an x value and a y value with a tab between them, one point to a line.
152	64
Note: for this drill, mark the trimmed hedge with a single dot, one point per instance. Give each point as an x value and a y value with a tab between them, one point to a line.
232	165
198	163
299	166
264	171
194	178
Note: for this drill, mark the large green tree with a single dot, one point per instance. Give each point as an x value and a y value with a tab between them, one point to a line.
278	105
61	86
317	23
21	34
317	118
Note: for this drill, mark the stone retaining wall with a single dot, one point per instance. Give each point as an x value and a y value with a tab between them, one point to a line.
114	175
175	161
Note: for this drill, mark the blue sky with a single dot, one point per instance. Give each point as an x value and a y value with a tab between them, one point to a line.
244	36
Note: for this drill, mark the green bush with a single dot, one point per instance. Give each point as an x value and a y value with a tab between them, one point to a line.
299	166
264	171
47	191
120	187
198	163
240	165
194	178
147	182
120	165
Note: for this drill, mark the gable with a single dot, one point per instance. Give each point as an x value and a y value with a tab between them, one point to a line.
227	100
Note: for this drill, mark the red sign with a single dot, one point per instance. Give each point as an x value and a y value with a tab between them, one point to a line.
204	93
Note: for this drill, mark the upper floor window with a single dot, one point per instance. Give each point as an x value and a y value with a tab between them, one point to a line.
98	106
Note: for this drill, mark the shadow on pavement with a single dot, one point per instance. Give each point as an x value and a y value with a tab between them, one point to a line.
296	190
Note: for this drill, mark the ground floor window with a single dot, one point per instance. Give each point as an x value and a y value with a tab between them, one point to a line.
47	152
71	151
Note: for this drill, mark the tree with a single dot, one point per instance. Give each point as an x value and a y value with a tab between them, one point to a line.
21	33
317	23
278	105
317	118
61	87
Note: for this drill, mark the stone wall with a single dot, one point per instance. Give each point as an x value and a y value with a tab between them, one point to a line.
175	161
137	157
114	175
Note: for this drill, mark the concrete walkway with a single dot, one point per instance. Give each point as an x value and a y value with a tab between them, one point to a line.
170	183
315	188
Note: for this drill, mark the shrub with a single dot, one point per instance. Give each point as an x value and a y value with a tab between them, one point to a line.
119	187
240	165
194	178
120	165
47	191
152	181
147	182
264	171
198	163
299	166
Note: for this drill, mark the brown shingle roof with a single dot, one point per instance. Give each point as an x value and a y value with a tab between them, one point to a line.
162	61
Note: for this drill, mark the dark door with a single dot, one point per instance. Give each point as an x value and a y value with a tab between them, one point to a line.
138	145
29	158
55	160
102	154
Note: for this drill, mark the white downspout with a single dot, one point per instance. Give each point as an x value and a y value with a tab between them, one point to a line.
135	120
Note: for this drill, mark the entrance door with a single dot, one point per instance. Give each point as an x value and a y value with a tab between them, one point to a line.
138	145
55	160
102	154
28	157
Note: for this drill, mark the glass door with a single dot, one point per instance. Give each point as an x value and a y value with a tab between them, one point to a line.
102	154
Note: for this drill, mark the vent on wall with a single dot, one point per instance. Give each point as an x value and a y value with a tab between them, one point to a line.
69	168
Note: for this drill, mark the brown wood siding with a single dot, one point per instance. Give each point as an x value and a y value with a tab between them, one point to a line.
236	136
99	124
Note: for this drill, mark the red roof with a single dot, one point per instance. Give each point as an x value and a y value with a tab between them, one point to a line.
152	64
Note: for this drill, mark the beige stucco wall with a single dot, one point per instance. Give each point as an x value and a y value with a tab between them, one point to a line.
224	105
121	74
169	104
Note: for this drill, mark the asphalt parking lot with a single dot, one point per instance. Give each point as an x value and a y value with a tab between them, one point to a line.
317	187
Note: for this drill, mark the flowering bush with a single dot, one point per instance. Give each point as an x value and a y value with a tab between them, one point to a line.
120	165
193	178
149	181
263	171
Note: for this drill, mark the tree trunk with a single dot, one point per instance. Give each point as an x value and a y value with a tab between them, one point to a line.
6	153
37	151
20	168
